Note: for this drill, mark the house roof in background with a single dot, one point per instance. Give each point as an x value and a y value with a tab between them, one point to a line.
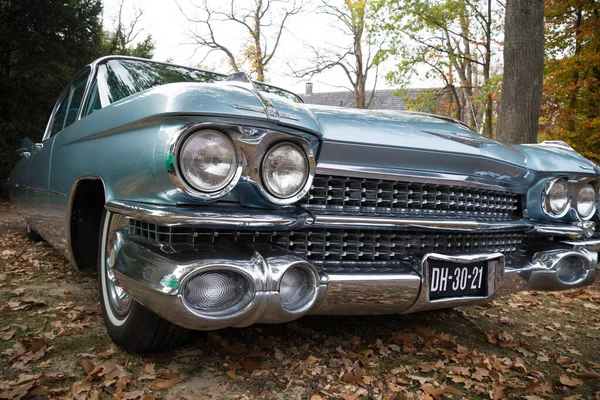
383	99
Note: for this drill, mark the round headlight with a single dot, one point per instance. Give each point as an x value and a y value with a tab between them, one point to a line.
207	160
285	170
557	197
586	201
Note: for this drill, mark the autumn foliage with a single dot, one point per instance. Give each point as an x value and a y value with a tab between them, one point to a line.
571	103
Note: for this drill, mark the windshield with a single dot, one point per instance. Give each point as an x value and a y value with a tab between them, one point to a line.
126	77
121	78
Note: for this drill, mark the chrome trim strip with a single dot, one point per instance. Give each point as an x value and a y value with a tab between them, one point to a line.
32	189
559	229
461	225
404	175
589	245
458	225
210	216
234	217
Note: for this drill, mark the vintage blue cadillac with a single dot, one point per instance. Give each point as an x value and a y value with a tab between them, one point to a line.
207	201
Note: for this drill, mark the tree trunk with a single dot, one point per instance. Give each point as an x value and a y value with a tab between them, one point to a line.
521	95
488	127
573	100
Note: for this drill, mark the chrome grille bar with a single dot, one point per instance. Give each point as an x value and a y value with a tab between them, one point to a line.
358	195
340	245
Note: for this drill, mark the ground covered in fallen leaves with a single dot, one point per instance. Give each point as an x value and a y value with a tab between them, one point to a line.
526	346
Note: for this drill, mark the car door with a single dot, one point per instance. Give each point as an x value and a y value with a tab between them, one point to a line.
41	198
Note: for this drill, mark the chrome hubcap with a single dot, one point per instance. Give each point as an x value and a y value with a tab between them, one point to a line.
120	301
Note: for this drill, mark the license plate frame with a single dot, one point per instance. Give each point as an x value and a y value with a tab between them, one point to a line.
490	266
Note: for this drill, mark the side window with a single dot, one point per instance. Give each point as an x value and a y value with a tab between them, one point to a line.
59	118
94	104
77	91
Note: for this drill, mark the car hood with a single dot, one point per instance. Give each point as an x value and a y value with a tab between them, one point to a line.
408	140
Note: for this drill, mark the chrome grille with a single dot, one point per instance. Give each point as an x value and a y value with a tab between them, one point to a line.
341	245
357	195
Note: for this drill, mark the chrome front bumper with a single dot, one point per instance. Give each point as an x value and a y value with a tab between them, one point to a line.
141	267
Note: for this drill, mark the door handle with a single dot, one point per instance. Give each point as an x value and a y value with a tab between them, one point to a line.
23	152
38	146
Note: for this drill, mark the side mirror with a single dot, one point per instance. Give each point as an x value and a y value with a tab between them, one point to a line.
27	143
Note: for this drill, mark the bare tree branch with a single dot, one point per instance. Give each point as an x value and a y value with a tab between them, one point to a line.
352	19
257	21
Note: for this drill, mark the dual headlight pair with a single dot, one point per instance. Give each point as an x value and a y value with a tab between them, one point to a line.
558	199
209	163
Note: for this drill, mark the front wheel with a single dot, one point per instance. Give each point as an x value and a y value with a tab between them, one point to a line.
129	324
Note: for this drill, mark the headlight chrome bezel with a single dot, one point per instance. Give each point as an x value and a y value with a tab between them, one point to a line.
265	179
234	165
594	206
251	145
546	198
574	186
176	174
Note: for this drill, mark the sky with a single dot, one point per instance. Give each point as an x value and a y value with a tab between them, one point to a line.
169	28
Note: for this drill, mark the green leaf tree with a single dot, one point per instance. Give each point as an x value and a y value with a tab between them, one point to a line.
571	99
450	40
42	45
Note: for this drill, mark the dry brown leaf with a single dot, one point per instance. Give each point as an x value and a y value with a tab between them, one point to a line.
8	334
568	381
107	353
480	373
368	379
87	366
279	355
588	374
355	377
231	373
249	364
562	360
256	353
129	395
421	379
26	350
15	390
436	393
164	384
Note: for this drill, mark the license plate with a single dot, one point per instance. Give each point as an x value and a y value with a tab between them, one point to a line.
449	279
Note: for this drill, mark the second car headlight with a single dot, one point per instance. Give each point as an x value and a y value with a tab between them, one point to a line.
586	201
285	170
207	160
557	197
